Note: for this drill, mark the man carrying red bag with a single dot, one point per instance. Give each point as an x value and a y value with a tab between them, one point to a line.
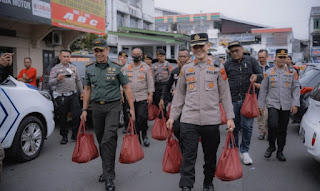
280	92
202	84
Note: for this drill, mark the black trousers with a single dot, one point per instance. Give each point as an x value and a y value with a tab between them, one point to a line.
126	111
68	104
141	112
105	122
277	127
190	134
157	97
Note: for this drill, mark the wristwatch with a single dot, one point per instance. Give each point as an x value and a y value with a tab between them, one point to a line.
84	109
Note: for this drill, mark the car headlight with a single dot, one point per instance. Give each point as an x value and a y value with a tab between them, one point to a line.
46	95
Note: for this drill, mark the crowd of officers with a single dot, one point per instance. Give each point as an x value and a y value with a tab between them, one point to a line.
197	86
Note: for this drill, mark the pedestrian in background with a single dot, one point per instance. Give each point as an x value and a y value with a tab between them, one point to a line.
161	71
28	74
280	92
241	70
5	63
183	58
142	86
65	77
200	88
102	87
262	119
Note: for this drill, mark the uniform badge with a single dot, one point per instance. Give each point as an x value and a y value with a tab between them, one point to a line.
190	69
211	85
142	69
112	78
170	68
130	74
114	69
273	84
287	84
181	73
272	79
223	74
130	67
109	69
265	75
211	68
191	86
191	79
108	78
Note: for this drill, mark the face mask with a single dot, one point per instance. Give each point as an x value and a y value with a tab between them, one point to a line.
136	58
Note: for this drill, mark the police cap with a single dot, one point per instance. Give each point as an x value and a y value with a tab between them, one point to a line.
148	56
161	51
281	52
234	43
99	43
199	39
122	53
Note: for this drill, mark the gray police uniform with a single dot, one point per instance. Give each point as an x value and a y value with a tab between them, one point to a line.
105	80
161	72
199	90
279	91
66	97
141	83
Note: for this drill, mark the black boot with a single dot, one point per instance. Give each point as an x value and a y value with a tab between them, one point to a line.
280	156
269	151
64	140
186	188
109	185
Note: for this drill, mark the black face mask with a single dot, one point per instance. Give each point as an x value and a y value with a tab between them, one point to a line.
136	58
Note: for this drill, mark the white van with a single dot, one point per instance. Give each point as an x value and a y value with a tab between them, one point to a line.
26	119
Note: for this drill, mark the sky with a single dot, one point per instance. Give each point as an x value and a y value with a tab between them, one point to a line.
272	13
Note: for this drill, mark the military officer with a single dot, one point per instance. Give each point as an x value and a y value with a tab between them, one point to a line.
161	71
200	88
65	77
183	58
102	86
142	86
280	91
122	58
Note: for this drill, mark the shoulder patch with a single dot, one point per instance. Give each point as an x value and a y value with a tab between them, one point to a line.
118	63
265	75
90	63
223	74
296	75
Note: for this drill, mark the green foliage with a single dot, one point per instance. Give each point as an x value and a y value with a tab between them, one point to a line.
84	42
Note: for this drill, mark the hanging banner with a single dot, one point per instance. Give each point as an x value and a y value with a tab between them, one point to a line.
83	15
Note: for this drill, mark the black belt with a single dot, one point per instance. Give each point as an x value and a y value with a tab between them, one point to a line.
106	102
161	83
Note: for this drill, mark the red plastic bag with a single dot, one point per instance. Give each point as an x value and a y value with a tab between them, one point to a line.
223	115
249	107
172	158
85	148
131	150
168	112
229	165
153	112
159	129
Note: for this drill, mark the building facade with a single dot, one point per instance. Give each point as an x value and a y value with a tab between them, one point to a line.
314	34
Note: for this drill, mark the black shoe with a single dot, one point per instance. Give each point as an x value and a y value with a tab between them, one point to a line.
74	137
261	137
146	142
64	140
102	178
208	188
186	188
109	185
280	156
268	152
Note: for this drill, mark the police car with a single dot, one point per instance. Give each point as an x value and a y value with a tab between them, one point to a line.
26	119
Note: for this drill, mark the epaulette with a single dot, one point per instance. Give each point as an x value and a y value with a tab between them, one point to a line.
115	62
89	63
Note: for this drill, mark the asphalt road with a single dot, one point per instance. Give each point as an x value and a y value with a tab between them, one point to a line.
53	170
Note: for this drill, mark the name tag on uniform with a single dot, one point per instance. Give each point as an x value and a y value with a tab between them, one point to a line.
69	70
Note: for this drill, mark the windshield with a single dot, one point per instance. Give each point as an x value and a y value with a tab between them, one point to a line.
310	79
315	94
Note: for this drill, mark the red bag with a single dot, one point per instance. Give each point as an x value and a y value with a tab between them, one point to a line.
168	112
249	107
172	158
131	150
153	111
229	165
159	129
85	149
223	115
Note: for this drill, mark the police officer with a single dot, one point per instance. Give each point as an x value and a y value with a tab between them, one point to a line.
102	86
148	59
65	77
280	91
161	71
241	70
183	58
142	86
200	88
